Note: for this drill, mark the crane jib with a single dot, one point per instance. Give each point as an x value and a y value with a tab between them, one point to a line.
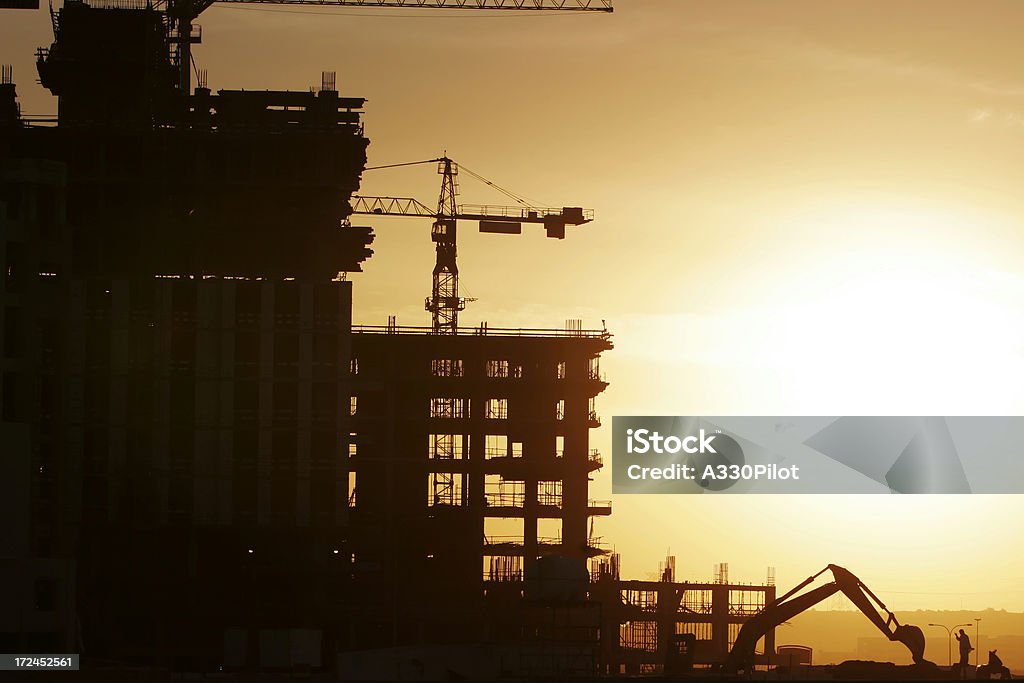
507	5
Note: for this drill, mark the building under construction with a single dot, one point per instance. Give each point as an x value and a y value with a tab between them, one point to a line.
207	467
669	626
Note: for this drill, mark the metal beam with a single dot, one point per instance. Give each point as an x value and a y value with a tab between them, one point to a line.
391	206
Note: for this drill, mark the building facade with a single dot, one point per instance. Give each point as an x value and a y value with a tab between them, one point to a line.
471	453
175	368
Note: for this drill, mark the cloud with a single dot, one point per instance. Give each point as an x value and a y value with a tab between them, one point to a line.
994	116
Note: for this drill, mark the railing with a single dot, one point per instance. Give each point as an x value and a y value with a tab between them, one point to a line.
505	499
594	543
521	212
121	4
518	540
503	540
486	331
595	457
599	504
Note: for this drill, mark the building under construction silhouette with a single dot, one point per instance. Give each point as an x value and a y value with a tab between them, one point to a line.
208	467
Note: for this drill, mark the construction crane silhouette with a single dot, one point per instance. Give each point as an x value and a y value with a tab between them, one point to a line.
181	14
444	302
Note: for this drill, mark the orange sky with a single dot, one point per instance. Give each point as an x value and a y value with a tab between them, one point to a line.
803	207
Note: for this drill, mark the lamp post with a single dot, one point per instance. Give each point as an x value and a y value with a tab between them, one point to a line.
949	640
977	639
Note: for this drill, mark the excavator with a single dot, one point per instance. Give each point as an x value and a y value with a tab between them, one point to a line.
741	658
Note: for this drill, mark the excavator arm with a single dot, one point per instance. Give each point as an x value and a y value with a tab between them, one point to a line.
741	657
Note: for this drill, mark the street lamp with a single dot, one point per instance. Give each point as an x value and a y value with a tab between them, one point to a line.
949	640
977	639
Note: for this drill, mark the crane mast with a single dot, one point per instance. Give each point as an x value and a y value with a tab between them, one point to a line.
444	302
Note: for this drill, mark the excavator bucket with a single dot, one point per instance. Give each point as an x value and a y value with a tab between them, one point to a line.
913	638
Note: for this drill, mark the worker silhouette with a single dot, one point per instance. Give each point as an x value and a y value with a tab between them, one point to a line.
965	650
994	668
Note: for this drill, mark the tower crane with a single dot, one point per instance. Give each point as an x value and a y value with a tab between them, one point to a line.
181	14
444	302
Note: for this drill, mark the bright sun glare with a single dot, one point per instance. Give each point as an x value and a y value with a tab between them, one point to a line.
882	308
